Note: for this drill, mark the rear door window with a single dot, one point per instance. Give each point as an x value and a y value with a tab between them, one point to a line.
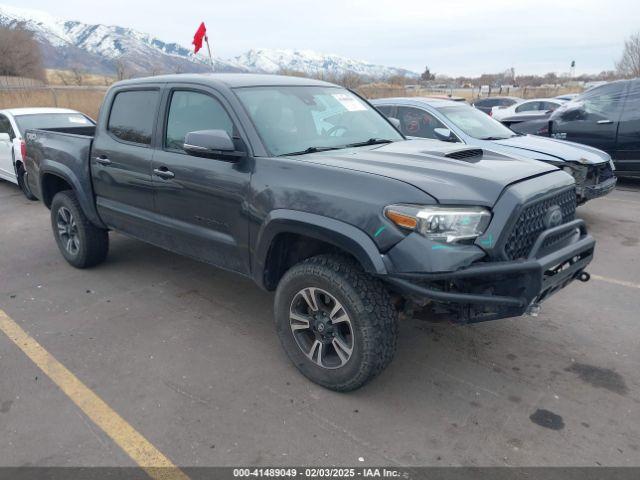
604	102
632	104
133	115
528	107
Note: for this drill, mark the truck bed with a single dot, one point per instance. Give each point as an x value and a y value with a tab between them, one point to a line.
65	155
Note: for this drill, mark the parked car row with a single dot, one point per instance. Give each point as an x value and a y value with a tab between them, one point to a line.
305	188
606	117
448	121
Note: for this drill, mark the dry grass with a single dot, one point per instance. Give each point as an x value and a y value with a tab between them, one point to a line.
86	100
76	78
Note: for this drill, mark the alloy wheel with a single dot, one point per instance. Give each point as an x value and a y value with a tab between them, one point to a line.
68	231
321	328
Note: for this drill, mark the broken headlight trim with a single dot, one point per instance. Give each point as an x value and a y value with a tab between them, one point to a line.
441	223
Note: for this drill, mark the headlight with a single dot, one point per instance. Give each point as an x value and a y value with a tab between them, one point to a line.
442	224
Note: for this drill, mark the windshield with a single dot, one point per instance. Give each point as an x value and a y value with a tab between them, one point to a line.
45	121
299	118
476	123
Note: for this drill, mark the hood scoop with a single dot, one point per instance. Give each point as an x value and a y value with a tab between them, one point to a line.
466	154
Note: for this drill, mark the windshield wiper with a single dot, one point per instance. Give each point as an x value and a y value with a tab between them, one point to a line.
371	141
494	138
310	150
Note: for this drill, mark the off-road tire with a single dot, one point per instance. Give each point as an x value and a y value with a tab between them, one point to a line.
93	242
368	304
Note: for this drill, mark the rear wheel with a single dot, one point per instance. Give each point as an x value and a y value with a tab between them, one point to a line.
23	183
335	322
81	243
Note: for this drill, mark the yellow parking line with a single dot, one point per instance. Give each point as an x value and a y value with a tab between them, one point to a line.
128	438
622	283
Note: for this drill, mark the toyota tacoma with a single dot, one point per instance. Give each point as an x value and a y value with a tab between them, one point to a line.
304	187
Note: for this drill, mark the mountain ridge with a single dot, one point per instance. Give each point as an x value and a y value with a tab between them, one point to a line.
103	49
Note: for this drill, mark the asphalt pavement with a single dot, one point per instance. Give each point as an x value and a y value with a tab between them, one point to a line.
187	356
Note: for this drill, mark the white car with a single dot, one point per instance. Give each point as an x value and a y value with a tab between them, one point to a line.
14	122
527	107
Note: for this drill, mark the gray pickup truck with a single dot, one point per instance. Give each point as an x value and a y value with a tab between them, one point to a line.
304	187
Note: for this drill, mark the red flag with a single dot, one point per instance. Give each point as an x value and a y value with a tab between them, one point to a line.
200	34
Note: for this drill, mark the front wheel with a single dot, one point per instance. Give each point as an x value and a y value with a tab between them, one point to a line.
81	243
336	323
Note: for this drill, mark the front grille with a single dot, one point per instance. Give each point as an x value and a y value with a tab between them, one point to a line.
530	223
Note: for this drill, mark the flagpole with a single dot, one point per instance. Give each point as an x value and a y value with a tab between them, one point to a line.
206	39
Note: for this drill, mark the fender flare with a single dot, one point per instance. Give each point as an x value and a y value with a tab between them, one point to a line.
82	193
340	234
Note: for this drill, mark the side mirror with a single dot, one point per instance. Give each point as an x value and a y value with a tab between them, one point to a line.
4	137
210	143
395	122
444	134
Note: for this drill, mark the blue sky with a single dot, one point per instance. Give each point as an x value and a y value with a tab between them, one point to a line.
455	37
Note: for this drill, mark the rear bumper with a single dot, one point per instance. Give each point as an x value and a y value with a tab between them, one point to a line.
594	191
491	290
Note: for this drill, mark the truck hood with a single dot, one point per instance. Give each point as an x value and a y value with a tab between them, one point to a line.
474	180
541	148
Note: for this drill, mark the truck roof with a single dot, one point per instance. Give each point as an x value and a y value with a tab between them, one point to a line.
230	80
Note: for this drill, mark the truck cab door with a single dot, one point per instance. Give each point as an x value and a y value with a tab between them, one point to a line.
200	202
593	119
627	156
121	161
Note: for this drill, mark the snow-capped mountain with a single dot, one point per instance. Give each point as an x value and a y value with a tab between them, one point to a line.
97	48
312	63
101	49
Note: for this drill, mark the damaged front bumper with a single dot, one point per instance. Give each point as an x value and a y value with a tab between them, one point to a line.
488	290
589	192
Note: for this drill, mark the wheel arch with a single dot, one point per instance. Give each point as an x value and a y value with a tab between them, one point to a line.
55	177
289	236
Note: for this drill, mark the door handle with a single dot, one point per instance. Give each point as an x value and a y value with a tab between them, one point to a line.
164	172
604	122
103	161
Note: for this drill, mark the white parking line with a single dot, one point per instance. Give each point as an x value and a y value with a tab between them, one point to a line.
622	283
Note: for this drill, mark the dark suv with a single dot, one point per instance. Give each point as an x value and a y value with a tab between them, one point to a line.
304	187
606	117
